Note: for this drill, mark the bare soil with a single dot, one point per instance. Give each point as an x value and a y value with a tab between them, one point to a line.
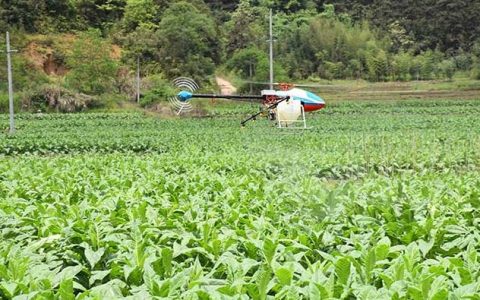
226	88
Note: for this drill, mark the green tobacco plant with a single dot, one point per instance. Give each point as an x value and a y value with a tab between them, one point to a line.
377	201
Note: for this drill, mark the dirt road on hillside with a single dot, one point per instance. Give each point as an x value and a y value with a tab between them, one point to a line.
226	88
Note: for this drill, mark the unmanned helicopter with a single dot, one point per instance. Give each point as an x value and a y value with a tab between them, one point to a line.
285	105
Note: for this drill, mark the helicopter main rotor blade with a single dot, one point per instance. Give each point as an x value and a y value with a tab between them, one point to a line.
229	97
306	85
186	96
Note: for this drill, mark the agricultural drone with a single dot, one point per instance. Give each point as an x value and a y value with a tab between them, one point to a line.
285	105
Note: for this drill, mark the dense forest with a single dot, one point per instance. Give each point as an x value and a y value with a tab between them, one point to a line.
92	46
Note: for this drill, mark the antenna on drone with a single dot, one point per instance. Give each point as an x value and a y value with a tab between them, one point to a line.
271	49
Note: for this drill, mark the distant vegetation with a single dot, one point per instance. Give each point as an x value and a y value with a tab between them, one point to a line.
92	46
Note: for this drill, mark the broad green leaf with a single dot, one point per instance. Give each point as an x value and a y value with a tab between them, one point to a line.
65	274
269	249
440	295
370	261
93	257
3	272
8	288
263	281
314	291
65	291
98	275
425	247
167	256
161	289
342	270
415	293
382	251
109	290
284	275
31	295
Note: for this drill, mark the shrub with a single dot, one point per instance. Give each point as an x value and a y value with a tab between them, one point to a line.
447	68
157	89
92	69
57	98
4	105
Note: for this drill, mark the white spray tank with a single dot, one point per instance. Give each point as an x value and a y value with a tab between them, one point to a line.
288	112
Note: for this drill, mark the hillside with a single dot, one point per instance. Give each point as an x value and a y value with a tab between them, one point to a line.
92	46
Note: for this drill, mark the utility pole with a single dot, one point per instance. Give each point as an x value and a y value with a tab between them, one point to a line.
138	79
271	50
10	85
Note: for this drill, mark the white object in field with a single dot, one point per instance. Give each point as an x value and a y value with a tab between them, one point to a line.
288	112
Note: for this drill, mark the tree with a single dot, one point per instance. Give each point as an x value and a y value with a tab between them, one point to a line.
401	65
246	28
475	69
142	43
98	13
401	40
143	13
246	61
93	71
447	68
289	6
189	42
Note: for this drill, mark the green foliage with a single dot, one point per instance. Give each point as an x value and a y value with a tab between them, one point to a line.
427	65
36	15
46	16
401	64
142	43
475	69
384	40
158	89
252	64
93	71
475	72
401	40
447	68
140	13
113	205
334	48
25	75
51	97
246	61
463	61
4	103
101	14
189	44
446	25
108	102
246	28
333	70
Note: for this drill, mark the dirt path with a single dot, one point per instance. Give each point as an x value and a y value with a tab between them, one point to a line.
226	88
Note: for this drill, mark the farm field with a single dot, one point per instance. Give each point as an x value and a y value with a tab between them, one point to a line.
379	200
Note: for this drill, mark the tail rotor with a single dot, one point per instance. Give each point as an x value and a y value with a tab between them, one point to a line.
181	102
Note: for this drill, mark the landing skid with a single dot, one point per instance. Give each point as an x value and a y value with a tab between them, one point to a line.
293	124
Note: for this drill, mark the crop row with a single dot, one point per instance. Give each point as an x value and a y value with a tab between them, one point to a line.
376	201
146	226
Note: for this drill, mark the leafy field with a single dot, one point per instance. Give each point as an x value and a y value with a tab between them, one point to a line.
380	200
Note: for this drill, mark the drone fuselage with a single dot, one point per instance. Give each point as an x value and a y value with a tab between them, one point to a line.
308	100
